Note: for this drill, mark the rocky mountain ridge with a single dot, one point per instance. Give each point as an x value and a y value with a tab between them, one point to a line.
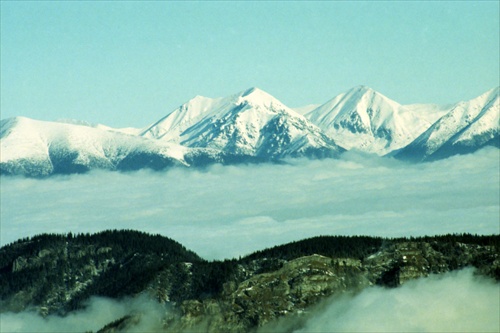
55	274
364	119
252	126
465	127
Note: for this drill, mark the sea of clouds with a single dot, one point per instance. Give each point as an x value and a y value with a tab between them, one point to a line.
227	211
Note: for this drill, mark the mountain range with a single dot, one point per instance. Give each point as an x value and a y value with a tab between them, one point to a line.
253	126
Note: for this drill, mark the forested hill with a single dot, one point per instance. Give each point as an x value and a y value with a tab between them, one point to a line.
56	274
69	268
362	246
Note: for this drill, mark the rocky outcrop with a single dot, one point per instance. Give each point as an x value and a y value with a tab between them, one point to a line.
57	273
304	282
262	298
399	262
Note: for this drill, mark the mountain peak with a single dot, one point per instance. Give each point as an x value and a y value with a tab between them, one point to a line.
198	102
255	93
362	90
364	119
256	96
251	91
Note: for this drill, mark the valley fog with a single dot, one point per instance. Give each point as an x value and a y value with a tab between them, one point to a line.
227	211
452	302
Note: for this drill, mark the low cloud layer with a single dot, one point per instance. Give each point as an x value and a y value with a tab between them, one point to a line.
98	313
454	302
226	211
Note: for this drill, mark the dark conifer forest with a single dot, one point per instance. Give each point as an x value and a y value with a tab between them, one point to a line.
116	263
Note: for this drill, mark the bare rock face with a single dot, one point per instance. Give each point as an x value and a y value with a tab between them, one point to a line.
263	298
56	274
299	284
400	262
19	264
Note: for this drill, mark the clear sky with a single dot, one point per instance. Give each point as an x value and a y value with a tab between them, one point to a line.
130	63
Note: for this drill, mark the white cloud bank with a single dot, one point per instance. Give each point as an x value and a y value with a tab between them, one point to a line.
454	302
98	313
226	211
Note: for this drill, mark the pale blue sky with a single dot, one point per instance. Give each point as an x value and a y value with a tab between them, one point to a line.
130	63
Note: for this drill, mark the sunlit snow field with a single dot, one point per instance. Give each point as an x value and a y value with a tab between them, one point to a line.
227	211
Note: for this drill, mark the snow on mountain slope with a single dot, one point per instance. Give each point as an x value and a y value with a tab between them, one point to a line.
251	123
467	127
364	119
41	148
252	126
170	127
429	112
126	130
306	108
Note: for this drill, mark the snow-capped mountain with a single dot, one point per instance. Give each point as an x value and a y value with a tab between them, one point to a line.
429	112
467	127
252	126
251	123
366	120
41	148
127	130
303	110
